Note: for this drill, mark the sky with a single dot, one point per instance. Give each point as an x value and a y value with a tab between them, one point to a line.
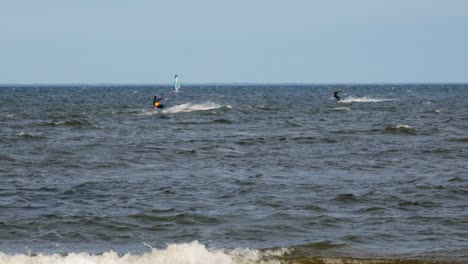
226	41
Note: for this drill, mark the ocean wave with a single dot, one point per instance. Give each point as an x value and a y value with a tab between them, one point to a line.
184	253
322	245
7	158
222	121
197	253
459	139
346	198
417	204
344	109
70	123
364	99
401	129
27	135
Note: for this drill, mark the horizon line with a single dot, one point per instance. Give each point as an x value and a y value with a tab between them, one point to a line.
231	83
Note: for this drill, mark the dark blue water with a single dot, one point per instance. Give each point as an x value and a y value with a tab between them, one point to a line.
252	172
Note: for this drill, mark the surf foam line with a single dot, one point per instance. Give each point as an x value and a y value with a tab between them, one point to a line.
364	99
189	107
185	253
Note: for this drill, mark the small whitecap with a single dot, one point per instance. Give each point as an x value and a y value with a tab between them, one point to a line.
401	128
24	134
345	109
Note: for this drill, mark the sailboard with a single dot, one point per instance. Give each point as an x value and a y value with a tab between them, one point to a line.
176	84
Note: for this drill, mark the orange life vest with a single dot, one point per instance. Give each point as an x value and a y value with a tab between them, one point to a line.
156	104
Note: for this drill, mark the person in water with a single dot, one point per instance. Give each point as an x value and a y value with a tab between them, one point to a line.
157	103
335	94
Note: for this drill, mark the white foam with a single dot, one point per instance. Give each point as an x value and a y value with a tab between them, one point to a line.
342	109
185	253
24	134
364	99
183	108
189	107
403	126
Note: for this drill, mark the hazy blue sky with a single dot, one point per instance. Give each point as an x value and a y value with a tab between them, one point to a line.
207	41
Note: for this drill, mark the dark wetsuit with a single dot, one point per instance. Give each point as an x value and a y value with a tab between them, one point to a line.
335	94
156	103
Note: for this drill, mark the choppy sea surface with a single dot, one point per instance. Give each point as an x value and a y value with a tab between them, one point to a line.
234	174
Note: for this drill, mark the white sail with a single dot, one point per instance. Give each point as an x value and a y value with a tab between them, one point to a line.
176	83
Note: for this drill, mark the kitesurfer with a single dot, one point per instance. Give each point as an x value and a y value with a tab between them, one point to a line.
335	94
156	103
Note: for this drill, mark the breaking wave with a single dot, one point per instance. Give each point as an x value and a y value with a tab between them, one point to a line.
185	253
197	253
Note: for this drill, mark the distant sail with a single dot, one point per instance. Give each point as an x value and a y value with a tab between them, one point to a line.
176	84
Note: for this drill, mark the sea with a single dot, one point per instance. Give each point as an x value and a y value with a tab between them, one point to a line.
238	173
